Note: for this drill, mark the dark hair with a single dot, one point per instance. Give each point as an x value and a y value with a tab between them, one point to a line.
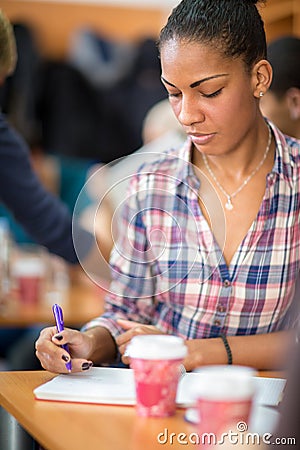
284	56
235	27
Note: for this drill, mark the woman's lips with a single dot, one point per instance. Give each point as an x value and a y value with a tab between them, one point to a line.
201	139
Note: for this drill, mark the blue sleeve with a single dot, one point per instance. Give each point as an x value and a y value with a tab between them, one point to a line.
44	217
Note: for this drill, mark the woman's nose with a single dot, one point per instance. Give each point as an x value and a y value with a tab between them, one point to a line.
190	112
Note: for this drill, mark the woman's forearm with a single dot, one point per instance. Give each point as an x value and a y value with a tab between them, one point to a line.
262	351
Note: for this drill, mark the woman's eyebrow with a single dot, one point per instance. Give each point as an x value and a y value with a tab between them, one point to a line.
197	83
167	82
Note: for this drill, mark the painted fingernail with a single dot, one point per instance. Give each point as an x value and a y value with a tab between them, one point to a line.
59	337
86	366
65	358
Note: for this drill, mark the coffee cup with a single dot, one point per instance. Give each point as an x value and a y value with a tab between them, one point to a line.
224	398
156	361
29	272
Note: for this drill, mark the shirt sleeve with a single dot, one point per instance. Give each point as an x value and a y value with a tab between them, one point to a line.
44	217
131	292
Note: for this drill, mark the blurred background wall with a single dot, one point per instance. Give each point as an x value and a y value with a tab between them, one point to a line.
55	21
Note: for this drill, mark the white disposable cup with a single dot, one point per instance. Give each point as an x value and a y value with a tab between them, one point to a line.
156	361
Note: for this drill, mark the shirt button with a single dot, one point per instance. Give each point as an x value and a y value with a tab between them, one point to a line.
217	323
221	309
226	283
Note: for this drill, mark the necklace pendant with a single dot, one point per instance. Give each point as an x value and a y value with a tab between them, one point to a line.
228	204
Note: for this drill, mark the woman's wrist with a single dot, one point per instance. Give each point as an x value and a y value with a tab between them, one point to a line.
202	352
102	346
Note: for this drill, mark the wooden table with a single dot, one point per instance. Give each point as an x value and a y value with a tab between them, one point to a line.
83	301
66	426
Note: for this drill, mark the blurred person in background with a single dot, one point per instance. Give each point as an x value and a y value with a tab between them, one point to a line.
44	217
281	104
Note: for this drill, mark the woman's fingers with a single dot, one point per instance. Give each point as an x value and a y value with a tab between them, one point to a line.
135	330
58	365
132	329
127	324
54	358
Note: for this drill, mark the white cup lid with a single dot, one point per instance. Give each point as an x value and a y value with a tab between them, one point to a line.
224	383
157	346
28	267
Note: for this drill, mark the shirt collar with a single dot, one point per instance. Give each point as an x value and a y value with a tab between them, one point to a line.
284	162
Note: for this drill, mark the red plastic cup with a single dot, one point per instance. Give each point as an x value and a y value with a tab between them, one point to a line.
29	276
156	361
29	289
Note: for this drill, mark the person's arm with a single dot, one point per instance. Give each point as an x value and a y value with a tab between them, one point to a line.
262	351
45	218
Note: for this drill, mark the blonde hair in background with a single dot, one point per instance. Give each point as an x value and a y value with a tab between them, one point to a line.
8	51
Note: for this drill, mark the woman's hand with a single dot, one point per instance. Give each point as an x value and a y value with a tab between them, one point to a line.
54	358
200	351
132	329
204	352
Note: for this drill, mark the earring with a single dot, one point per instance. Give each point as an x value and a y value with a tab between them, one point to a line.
261	94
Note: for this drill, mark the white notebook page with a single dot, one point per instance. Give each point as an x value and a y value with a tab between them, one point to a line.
116	386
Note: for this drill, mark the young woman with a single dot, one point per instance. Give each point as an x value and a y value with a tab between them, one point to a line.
225	282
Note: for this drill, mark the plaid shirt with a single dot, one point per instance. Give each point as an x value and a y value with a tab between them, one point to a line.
169	271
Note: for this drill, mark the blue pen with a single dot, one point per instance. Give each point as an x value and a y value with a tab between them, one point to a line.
59	320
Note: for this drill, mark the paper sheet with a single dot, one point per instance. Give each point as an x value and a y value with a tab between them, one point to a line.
116	386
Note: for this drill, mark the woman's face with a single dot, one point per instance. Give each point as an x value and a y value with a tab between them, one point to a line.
212	96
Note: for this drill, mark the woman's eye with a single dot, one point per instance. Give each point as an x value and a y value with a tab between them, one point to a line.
213	94
173	94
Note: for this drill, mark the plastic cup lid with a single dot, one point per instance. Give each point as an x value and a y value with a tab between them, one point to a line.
224	382
157	347
28	267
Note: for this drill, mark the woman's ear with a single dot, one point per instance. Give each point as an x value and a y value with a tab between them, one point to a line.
293	102
262	74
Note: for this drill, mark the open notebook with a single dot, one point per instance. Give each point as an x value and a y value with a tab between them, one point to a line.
116	386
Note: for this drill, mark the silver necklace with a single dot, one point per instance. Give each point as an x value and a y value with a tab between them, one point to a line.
228	204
